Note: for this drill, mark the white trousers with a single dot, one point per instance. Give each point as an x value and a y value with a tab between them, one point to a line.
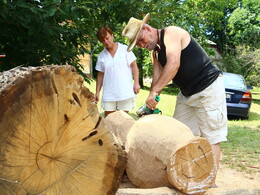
205	113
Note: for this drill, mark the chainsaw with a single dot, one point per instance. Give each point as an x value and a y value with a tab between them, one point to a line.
143	110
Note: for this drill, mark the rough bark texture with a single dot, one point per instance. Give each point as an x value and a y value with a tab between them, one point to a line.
120	123
163	152
52	140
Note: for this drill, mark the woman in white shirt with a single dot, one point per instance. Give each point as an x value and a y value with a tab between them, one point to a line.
117	69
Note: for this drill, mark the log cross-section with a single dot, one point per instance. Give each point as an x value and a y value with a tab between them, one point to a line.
52	140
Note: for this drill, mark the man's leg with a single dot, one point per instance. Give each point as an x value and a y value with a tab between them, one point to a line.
211	116
216	151
186	114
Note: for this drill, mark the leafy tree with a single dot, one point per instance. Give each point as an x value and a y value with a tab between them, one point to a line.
34	33
215	14
251	64
242	56
38	32
245	61
244	24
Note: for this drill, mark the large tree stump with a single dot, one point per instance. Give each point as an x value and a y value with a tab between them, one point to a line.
164	152
52	140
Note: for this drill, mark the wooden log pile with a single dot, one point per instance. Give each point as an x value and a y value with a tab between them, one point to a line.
52	139
164	152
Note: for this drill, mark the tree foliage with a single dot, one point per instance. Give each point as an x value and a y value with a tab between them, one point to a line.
34	33
246	61
243	56
244	24
39	32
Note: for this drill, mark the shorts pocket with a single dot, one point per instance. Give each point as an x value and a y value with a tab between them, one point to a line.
215	118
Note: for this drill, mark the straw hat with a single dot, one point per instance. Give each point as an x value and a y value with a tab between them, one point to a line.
132	30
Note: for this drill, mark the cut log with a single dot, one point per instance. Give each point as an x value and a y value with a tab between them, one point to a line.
164	152
52	140
119	123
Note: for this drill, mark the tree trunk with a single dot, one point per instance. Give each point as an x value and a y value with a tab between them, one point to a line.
164	152
52	140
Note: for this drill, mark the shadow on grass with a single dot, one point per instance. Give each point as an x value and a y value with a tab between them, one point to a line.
168	90
256	101
236	118
252	117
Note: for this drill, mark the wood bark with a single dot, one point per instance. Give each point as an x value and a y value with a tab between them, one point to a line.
164	152
119	123
52	140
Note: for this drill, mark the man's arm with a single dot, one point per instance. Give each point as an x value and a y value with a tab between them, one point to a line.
172	41
99	83
135	72
157	68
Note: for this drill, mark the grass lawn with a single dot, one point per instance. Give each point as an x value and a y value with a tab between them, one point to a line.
241	151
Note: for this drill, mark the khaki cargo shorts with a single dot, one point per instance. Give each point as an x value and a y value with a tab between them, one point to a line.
205	113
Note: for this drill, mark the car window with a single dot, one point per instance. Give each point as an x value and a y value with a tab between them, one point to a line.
234	81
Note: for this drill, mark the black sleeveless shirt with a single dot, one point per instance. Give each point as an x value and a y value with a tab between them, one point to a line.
196	71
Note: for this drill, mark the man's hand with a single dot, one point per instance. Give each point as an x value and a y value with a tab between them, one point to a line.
150	102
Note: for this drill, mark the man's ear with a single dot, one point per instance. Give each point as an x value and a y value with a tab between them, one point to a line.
146	27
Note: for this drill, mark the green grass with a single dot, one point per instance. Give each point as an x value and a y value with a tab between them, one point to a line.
166	104
241	151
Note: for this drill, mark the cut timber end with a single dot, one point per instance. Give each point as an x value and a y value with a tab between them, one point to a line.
192	168
52	139
154	139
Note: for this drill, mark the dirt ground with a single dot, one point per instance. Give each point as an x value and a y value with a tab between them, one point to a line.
229	181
